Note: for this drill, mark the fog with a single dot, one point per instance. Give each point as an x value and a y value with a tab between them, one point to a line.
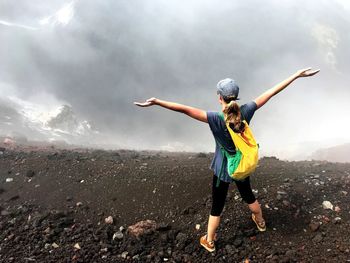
71	70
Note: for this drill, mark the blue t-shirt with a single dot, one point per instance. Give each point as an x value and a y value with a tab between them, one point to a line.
222	135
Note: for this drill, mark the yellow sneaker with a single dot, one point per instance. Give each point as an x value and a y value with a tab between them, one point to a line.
260	225
210	246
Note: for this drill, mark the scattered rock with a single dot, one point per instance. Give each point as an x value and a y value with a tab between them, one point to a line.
54	245
286	203
12	198
318	238
181	240
336	220
282	193
142	227
118	236
230	249
238	242
77	246
314	226
5	213
30	173
109	220
327	205
124	254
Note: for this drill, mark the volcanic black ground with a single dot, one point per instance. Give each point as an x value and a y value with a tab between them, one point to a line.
53	206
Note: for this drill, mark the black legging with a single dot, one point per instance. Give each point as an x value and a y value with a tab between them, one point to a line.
219	194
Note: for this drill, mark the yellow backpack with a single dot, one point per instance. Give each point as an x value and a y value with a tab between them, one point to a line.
244	162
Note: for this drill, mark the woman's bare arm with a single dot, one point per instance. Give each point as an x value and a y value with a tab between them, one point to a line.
263	98
195	113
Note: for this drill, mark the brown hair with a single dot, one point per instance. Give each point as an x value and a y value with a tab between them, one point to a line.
232	114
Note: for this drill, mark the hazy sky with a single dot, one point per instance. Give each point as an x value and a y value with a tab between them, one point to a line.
100	56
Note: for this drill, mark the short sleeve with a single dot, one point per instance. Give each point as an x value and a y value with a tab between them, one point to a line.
212	117
248	110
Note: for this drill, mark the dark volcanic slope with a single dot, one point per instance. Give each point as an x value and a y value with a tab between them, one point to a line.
58	199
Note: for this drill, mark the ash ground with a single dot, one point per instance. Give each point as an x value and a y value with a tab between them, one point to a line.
51	200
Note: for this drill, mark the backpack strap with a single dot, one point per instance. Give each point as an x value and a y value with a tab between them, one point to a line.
223	153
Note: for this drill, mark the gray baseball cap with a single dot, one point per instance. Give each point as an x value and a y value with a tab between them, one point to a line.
228	88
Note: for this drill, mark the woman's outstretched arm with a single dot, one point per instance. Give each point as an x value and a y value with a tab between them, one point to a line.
195	113
263	98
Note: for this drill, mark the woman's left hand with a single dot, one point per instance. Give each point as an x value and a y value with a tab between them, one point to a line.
307	72
147	103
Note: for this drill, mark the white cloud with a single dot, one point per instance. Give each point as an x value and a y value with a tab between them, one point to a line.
62	17
6	23
328	40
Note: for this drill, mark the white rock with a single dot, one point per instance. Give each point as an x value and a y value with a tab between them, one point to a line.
109	220
281	192
125	254
198	226
77	246
79	204
118	235
327	205
8	180
337	219
54	245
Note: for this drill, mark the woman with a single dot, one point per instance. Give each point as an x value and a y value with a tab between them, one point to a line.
234	114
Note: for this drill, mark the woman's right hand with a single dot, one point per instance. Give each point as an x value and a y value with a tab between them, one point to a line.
147	103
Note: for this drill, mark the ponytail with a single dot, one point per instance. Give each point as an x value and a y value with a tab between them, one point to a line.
232	114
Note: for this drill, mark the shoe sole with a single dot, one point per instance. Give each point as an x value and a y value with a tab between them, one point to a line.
257	225
207	248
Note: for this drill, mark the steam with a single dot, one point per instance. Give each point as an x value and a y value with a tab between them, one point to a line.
62	17
98	57
9	24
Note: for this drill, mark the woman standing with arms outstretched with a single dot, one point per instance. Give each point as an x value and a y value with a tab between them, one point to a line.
234	114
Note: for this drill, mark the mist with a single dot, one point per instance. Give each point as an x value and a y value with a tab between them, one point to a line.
71	70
